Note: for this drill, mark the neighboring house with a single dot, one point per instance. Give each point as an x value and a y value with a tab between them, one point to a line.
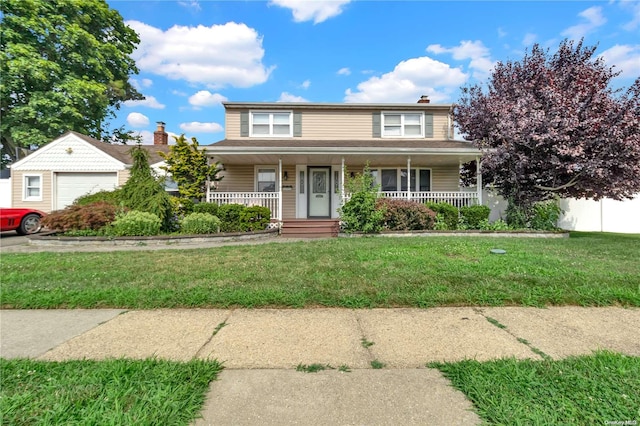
292	157
72	165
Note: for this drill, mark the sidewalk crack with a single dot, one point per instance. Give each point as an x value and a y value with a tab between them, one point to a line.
215	331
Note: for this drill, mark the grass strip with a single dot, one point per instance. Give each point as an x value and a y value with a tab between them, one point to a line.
602	388
116	392
586	269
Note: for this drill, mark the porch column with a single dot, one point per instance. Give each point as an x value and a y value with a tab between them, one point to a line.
478	181
279	189
408	178
342	183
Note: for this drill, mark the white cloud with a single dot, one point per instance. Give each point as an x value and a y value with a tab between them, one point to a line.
501	33
594	19
190	4
141	84
288	97
206	98
305	84
135	119
198	127
634	8
475	51
529	39
148	101
344	71
178	93
316	10
219	55
626	58
408	81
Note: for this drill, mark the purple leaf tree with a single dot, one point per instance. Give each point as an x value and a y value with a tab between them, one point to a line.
552	126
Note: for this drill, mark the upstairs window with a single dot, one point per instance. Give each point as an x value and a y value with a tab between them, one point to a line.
270	124
402	125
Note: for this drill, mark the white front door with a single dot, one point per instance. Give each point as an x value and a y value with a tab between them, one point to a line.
319	192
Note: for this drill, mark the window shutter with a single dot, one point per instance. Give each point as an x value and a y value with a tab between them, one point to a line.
297	124
376	125
244	123
428	125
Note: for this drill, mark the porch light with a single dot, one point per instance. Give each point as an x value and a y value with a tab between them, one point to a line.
285	176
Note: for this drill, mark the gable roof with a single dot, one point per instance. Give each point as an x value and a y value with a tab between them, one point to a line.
121	152
49	156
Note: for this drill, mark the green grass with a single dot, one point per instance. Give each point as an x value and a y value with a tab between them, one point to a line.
117	392
586	390
586	269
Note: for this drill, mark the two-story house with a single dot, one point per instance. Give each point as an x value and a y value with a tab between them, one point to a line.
293	157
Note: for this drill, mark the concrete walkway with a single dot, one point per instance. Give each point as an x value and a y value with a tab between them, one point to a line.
261	349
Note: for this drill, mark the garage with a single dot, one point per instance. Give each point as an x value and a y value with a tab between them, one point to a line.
70	186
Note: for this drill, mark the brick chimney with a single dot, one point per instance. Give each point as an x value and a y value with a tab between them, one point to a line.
160	137
424	99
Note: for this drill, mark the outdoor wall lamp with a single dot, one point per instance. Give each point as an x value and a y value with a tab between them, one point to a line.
286	176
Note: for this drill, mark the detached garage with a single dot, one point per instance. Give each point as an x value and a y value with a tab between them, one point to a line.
74	165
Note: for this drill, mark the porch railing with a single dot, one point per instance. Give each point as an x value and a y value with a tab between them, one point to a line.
264	199
271	200
458	199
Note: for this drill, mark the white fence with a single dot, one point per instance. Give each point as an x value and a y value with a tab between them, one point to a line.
5	192
458	199
606	215
264	199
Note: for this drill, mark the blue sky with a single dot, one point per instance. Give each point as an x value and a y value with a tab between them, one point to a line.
194	54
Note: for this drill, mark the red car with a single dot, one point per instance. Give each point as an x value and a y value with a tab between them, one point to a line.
23	221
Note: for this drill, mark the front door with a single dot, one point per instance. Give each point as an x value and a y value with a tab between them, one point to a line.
319	192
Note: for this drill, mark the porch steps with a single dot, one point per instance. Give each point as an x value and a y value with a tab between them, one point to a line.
310	228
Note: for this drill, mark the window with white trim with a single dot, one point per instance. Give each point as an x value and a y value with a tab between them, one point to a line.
391	180
266	178
402	125
271	124
32	185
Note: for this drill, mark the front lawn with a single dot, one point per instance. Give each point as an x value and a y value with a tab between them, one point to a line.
586	269
600	389
114	392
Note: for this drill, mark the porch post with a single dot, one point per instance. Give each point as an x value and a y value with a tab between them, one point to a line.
342	183
408	178
279	189
478	180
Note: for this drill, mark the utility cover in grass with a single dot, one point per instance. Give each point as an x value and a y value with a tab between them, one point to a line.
498	251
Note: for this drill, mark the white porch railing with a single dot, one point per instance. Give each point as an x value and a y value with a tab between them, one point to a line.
271	200
458	199
264	199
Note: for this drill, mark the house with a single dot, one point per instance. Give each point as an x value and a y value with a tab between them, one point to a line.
74	164
294	157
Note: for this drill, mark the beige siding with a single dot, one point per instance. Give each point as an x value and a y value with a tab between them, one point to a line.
237	178
17	182
335	125
445	178
232	124
289	196
123	177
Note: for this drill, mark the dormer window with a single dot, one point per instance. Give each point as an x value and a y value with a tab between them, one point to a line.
271	124
402	125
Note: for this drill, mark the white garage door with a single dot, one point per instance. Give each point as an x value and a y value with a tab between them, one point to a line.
70	186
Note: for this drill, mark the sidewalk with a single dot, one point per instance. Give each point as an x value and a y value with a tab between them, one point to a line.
261	349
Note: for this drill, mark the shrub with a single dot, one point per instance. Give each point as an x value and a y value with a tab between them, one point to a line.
111	197
359	214
92	216
449	212
404	215
255	218
200	223
182	206
229	215
135	223
211	208
545	215
473	215
144	192
498	225
517	217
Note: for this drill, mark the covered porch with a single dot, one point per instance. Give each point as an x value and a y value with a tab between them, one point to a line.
309	182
